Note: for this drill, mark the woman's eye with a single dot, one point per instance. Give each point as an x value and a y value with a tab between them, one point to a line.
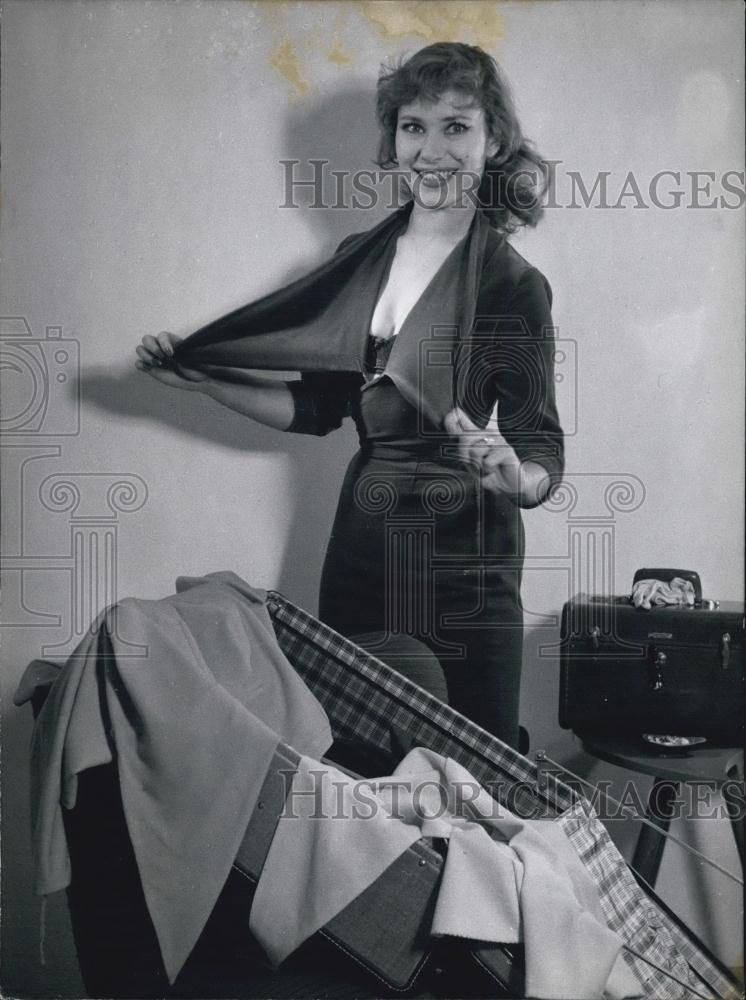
453	128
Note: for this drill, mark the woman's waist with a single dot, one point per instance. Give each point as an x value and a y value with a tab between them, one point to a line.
384	481
402	450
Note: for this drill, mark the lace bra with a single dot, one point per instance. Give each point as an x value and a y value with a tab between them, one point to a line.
377	356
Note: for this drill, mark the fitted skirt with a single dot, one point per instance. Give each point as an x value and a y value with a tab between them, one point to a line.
418	548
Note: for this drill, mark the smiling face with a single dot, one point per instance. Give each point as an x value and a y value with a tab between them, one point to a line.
441	147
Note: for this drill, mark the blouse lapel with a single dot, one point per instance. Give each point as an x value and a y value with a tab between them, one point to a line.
317	323
432	356
477	306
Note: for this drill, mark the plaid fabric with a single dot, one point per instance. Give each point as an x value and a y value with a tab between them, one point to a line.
367	702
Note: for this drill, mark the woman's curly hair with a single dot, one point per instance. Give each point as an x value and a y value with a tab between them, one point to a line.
516	178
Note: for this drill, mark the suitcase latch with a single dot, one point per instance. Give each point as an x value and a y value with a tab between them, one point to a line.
725	650
656	662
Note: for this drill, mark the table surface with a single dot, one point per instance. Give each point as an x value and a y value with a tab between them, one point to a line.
700	763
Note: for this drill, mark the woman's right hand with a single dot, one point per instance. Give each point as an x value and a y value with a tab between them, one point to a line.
267	400
155	356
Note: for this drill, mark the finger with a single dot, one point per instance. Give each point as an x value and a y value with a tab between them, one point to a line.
497	423
502	472
482	449
464	421
451	423
472	442
471	448
496	438
165	376
150	367
154	370
145	355
190	374
164	342
500	455
150	343
452	426
496	481
481	441
477	452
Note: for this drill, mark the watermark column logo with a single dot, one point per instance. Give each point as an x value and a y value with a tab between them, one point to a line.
41	413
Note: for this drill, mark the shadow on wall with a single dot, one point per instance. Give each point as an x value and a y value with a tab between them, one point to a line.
341	131
318	464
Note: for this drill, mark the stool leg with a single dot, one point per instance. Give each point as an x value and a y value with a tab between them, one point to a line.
650	843
734	805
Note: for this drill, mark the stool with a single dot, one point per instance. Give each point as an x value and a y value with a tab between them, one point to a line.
719	767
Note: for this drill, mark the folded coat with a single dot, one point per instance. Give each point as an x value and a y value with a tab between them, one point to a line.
190	695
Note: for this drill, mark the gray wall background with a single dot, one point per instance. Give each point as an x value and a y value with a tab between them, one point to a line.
141	191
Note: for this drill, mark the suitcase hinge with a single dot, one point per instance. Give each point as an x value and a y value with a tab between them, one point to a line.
725	650
656	662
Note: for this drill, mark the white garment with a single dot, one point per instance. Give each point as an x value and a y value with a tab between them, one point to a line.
505	879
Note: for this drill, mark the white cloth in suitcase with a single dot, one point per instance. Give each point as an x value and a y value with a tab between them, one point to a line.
505	879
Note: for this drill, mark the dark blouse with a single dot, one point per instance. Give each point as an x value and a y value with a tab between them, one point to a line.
513	364
323	400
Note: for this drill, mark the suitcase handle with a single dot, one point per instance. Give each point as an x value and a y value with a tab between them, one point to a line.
666	575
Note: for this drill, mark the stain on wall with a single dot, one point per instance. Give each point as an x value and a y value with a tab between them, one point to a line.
298	46
287	62
437	20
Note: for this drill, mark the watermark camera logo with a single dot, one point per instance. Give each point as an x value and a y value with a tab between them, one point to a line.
500	346
41	381
41	411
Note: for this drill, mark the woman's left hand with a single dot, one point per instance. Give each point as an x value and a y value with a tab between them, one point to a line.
501	470
497	462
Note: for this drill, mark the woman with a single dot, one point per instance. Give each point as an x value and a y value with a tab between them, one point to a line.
417	329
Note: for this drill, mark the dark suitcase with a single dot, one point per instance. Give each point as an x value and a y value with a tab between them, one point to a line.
671	670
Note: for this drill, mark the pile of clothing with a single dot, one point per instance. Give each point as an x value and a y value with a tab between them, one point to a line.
191	696
676	592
